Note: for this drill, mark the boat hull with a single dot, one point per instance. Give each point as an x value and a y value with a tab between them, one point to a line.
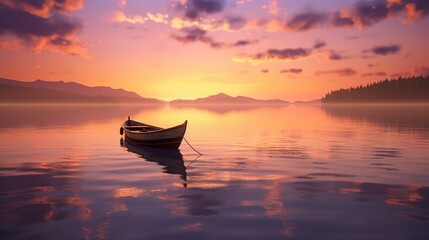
154	136
163	143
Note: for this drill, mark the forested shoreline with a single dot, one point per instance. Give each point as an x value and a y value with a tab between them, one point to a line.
409	89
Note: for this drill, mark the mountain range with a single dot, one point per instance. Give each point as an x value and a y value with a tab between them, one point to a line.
40	91
223	98
59	92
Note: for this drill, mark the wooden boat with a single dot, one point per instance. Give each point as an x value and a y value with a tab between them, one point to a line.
148	135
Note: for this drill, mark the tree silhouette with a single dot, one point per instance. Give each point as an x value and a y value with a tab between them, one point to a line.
410	89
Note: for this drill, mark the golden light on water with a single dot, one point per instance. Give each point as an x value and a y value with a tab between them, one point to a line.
128	192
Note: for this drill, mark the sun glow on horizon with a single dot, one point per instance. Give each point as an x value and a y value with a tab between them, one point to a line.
190	49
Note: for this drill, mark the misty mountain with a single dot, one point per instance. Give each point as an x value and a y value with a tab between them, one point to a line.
18	94
222	98
65	92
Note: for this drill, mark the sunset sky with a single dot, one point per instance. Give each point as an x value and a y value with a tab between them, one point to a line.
168	49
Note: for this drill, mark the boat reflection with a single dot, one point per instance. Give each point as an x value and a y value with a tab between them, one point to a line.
170	159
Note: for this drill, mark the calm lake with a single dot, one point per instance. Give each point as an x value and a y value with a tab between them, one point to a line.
299	172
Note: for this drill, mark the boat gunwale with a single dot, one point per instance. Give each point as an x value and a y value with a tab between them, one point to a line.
151	132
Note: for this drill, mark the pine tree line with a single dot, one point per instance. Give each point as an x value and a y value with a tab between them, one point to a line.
410	89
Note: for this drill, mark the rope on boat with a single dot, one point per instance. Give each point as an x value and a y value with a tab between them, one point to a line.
191	146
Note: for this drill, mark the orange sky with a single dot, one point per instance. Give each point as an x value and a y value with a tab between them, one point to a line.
293	50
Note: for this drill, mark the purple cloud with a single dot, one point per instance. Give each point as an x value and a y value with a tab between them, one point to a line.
319	44
335	55
192	34
367	13
38	25
384	50
306	21
381	74
288	53
236	22
195	34
24	24
197	8
292	70
361	15
338	72
275	55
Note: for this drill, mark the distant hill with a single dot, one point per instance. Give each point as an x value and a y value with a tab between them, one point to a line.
17	94
311	102
222	98
412	89
44	91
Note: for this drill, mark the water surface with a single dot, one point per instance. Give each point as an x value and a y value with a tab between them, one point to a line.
299	172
